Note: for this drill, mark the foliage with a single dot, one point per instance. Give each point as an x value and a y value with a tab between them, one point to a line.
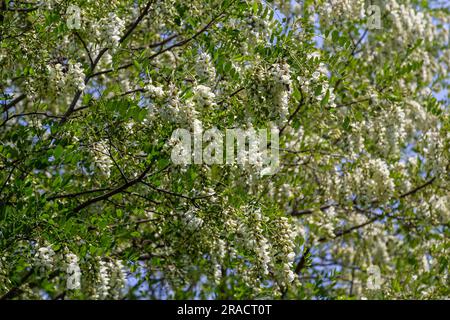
92	207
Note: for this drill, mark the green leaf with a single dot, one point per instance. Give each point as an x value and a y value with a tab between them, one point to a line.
135	234
58	151
325	99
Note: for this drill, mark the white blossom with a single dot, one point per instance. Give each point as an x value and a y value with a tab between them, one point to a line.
73	271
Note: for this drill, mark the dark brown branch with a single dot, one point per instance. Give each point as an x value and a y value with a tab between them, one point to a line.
22	10
175	45
99	73
300	104
7	179
15	291
136	22
231	95
124	177
112	192
13	102
352	103
310	211
379	217
77	96
166	191
302	263
132	91
418	188
85	48
359	41
74	195
187	40
44	114
163	42
326	206
349	230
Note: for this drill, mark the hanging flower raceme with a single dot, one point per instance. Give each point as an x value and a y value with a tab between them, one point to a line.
73	272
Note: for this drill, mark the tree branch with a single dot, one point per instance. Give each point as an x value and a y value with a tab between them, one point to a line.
85	48
13	102
175	45
302	263
74	195
117	190
133	26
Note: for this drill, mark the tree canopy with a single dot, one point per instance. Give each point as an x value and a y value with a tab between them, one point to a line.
92	205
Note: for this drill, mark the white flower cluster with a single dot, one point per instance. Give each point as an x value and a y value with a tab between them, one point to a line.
101	157
57	75
372	178
221	249
392	127
318	78
106	61
217	273
154	92
191	220
259	31
204	67
410	23
111	279
107	31
119	278
257	241
381	254
347	9
175	109
285	239
204	96
271	90
103	280
418	113
74	77
113	27
44	258
263	252
282	88
218	259
441	204
73	272
381	183
434	149
328	222
49	4
395	134
254	155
